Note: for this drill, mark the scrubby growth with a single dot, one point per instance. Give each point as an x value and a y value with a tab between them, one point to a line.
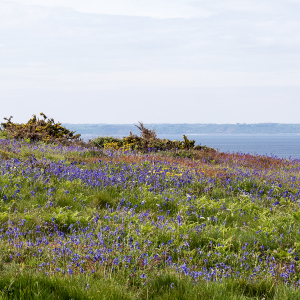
108	142
45	130
147	141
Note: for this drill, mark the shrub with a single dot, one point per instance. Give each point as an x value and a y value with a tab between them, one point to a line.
45	130
103	141
147	141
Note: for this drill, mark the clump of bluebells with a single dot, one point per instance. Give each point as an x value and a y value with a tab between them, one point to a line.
68	210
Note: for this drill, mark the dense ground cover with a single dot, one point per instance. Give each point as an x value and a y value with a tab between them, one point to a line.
84	223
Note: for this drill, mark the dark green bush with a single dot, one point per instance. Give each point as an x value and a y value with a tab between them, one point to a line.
147	141
101	141
45	130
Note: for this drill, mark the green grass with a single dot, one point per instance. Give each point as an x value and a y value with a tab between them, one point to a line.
166	286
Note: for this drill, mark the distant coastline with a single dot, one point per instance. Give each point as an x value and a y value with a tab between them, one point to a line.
191	129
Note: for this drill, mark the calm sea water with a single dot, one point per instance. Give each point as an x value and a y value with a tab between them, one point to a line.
287	146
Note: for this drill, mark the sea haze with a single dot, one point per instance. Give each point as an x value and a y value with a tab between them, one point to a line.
280	145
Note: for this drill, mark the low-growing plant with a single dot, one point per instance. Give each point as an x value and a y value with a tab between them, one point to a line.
101	141
45	130
3	134
145	142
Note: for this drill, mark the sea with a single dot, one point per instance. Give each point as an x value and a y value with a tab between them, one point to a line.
276	145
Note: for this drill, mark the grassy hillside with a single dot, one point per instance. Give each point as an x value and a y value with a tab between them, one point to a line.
84	223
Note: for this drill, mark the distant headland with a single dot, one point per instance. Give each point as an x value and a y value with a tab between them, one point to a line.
124	129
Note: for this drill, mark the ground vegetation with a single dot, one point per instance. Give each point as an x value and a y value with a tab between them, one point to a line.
81	222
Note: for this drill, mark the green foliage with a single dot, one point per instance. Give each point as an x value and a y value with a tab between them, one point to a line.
147	141
3	134
163	287
101	141
45	130
29	287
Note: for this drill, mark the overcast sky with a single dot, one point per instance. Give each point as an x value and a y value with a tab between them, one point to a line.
158	61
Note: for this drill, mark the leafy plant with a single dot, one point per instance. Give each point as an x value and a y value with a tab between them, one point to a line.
101	141
146	141
45	130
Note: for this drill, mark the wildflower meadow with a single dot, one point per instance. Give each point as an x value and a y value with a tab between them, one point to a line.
117	223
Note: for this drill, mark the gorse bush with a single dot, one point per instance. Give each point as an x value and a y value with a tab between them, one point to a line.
146	141
105	141
45	130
